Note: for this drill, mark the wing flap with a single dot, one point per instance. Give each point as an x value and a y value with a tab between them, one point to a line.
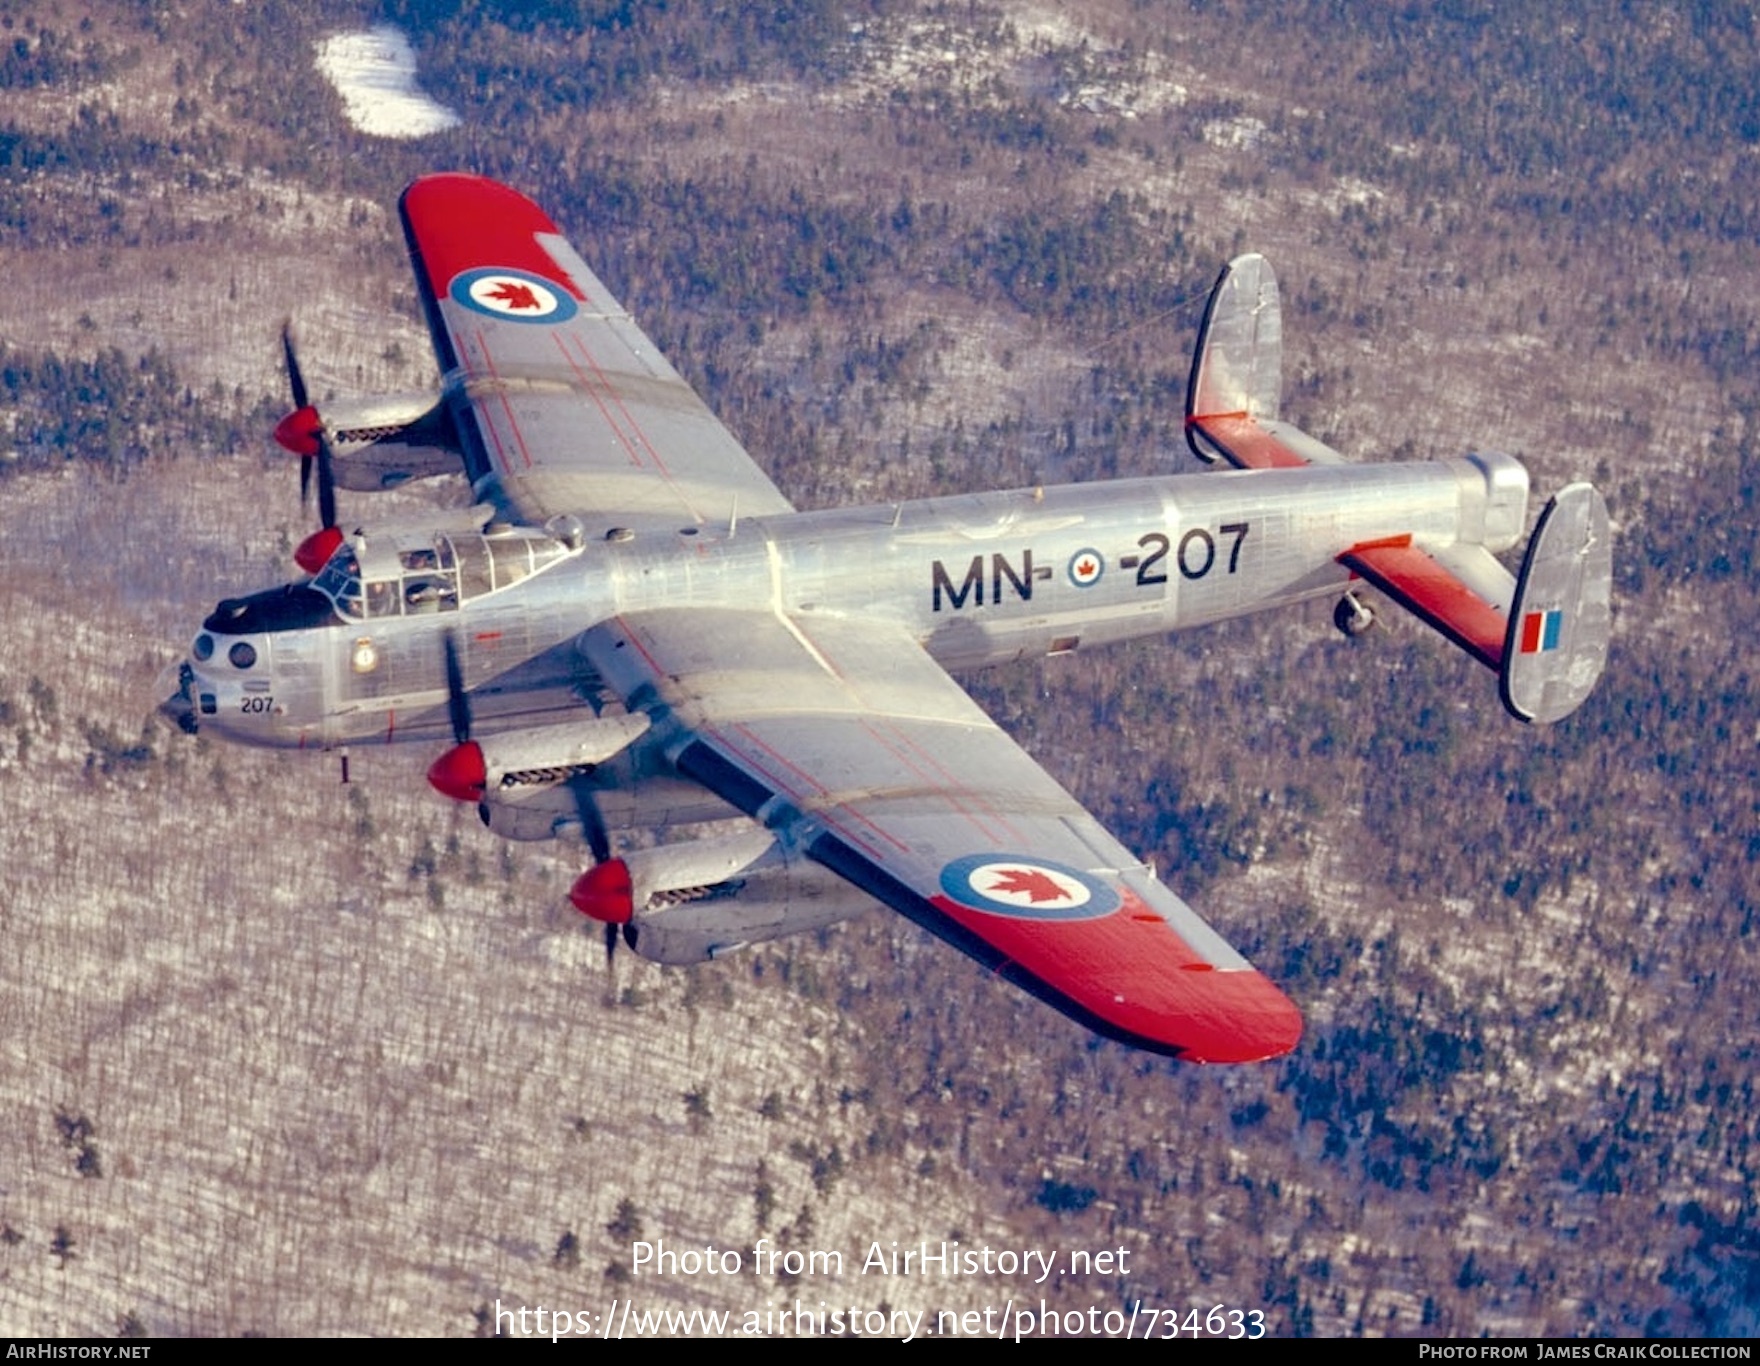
851	744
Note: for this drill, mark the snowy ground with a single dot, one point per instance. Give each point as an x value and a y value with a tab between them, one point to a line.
375	73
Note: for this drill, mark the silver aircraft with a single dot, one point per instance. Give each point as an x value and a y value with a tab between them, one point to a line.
631	628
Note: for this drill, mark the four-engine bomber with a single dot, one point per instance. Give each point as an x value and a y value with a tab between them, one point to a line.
631	629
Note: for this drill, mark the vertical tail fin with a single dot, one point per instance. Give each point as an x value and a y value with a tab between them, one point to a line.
1236	388
1239	363
1561	619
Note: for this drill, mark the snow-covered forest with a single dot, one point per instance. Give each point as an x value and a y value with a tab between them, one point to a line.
285	1056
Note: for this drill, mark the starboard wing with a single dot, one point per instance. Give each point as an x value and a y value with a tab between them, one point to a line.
852	745
562	404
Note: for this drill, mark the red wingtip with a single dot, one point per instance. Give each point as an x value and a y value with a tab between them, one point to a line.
315	551
457	222
298	431
460	773
604	893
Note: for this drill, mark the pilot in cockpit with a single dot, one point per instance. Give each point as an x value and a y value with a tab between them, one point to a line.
428	593
381	599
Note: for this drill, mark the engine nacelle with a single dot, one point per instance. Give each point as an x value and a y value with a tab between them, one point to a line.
540	758
696	901
542	755
377	442
627	800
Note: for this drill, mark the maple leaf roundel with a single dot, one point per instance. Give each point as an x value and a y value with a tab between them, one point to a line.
517	295
1086	567
1027	888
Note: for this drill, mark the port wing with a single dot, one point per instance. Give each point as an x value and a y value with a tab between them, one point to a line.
853	746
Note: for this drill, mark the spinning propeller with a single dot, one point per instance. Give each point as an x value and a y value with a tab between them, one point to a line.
302	433
612	902
603	892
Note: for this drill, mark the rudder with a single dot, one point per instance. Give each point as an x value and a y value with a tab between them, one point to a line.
1562	617
1236	385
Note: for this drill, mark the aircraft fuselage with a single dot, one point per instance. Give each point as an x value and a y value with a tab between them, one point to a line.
980	579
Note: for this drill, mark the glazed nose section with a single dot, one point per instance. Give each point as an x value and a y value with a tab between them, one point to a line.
176	685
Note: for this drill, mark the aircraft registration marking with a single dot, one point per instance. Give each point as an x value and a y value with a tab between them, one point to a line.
1199	553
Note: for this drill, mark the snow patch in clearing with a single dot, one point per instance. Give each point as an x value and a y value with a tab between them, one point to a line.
375	73
1238	133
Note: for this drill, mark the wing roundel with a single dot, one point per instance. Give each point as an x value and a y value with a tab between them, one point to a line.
460	224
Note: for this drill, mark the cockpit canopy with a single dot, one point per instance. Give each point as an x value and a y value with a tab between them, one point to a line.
391	575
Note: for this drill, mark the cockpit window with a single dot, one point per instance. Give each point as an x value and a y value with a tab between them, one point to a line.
382	598
487	564
473	567
436	578
340	581
429	593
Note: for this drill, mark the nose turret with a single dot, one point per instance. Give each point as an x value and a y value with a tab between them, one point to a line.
228	683
177	685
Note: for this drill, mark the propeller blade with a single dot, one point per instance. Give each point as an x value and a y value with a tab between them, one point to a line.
326	483
295	380
592	823
458	702
599	843
302	432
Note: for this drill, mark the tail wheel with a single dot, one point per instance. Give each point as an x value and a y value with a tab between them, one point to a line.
1352	616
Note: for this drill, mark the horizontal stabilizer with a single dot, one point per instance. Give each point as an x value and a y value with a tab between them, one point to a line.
1562	617
1461	590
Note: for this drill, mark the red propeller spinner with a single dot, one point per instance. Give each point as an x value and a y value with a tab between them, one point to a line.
297	433
460	773
313	553
604	893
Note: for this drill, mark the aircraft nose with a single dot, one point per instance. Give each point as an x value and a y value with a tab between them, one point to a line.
174	684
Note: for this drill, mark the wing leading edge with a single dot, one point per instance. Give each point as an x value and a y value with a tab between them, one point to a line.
854	747
562	404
